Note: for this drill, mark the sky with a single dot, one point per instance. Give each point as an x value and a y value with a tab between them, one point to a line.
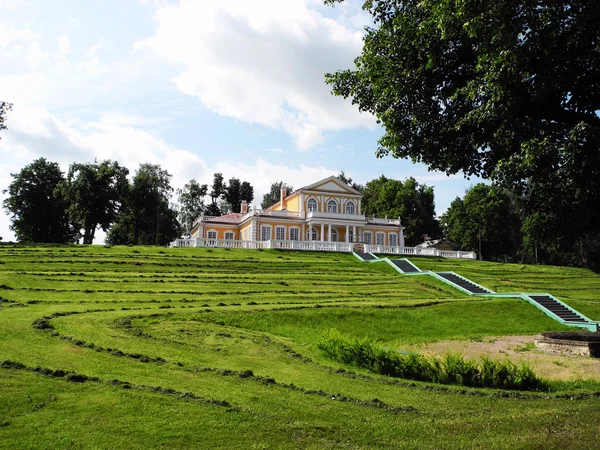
196	86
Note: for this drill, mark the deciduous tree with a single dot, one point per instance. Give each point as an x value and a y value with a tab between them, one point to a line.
94	194
191	204
38	209
274	194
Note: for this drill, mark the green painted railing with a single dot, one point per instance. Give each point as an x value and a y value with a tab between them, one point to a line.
588	324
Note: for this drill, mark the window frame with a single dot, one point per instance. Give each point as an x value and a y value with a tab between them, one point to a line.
266	227
395	238
297	233
209	232
229	233
316	204
333	203
377	236
350	203
315	234
278	228
368	241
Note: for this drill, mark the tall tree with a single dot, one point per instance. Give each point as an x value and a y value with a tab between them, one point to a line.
412	202
234	192
191	204
504	90
486	213
4	108
94	193
38	209
349	181
274	194
147	218
247	192
216	194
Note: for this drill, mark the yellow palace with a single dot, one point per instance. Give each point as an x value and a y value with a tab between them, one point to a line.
325	216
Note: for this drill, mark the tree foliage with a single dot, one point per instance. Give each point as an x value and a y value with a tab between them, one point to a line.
504	90
191	204
94	194
349	181
147	217
4	108
412	202
38	209
274	194
489	213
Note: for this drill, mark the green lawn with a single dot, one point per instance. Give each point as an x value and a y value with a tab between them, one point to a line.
209	348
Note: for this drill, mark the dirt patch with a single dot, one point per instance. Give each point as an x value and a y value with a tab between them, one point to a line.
517	349
73	349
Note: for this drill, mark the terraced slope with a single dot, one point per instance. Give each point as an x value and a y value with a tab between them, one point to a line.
185	348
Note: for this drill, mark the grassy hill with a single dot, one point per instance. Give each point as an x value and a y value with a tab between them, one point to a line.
129	347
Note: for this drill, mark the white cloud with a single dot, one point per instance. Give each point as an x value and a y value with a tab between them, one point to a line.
35	133
262	62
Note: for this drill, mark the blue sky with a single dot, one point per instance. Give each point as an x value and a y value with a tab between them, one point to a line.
196	86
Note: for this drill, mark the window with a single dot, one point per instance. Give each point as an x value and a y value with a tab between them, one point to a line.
380	238
334	235
280	233
368	237
312	204
350	208
312	235
393	238
265	233
294	234
351	235
212	234
229	235
331	206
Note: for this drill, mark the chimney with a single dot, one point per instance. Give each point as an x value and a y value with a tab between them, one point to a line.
244	208
283	196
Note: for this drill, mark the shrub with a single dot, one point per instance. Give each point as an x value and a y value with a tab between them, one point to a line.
452	368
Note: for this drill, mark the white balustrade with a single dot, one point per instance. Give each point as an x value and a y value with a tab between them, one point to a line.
321	246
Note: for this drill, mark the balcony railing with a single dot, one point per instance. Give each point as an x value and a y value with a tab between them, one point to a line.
331	215
321	246
392	250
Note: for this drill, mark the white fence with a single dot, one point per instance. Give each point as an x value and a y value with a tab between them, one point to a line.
390	250
321	246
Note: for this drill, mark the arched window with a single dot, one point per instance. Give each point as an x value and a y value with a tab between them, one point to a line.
312	204
312	234
350	208
332	206
334	235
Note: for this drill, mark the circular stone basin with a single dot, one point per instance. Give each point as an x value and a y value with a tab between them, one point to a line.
575	343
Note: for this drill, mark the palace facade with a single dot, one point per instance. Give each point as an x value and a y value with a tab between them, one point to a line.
326	215
326	211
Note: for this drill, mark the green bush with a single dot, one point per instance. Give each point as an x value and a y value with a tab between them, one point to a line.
452	368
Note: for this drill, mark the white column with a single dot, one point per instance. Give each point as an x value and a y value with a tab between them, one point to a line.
359	211
303	235
302	202
323	208
329	234
347	233
354	238
322	232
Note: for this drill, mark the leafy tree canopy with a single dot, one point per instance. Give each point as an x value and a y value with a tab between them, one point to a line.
94	193
38	209
147	217
489	213
349	181
4	108
409	200
191	203
274	194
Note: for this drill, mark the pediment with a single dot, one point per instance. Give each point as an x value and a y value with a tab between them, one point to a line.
331	184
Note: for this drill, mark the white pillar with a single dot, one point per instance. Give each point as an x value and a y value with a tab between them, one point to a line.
322	232
354	233
302	202
359	211
329	234
347	233
303	235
